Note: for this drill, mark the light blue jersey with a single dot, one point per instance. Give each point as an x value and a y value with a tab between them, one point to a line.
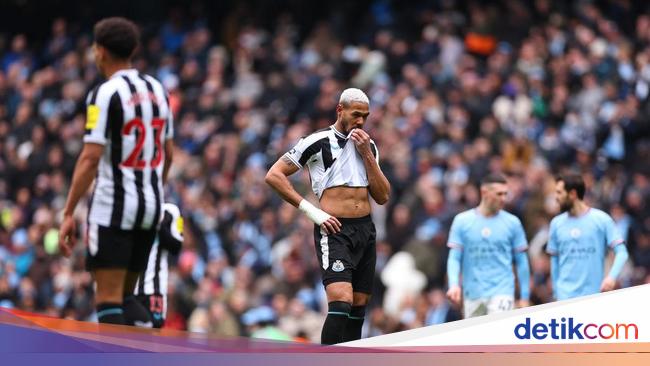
488	246
580	244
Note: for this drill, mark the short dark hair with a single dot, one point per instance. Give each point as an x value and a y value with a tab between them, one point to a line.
118	35
573	181
494	178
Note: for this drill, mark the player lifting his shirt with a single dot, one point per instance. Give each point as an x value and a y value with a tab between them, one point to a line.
344	168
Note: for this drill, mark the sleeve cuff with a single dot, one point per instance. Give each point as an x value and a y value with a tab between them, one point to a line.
94	140
293	160
616	242
521	248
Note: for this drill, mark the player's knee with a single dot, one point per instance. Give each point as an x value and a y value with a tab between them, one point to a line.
339	291
110	286
108	298
360	299
108	293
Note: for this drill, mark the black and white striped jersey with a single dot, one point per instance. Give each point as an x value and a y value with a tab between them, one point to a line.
129	114
331	160
153	280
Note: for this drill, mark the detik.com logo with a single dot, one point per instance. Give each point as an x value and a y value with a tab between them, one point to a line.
569	328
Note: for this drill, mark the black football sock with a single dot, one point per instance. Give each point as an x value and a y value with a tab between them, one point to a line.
135	313
110	313
355	322
334	326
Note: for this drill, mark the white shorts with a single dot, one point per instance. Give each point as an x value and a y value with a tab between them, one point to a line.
488	305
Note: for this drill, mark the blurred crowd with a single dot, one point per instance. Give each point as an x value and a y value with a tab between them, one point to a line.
458	89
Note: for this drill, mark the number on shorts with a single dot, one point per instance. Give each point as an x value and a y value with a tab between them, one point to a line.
156	304
505	304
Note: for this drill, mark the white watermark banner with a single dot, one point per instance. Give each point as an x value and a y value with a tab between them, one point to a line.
613	317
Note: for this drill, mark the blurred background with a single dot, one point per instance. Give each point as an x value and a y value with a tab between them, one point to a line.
457	88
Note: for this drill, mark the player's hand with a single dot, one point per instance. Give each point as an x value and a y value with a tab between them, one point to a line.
608	284
67	235
523	304
361	141
454	294
331	226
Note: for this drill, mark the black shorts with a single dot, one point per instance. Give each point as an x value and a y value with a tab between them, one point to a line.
113	248
349	255
156	305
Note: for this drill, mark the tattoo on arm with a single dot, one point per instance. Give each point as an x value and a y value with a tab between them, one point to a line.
287	160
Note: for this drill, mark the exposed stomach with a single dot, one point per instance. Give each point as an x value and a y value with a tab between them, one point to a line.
346	202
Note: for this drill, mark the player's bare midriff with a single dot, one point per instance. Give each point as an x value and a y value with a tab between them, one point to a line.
346	202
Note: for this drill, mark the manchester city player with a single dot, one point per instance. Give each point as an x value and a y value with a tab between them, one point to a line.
578	241
484	241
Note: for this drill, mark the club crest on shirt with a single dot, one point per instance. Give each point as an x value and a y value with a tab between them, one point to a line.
338	266
575	233
486	232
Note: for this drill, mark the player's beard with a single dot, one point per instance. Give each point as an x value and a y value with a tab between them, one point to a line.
566	206
494	209
347	126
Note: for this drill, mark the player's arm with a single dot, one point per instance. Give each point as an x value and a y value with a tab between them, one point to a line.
169	156
523	275
555	273
453	274
84	174
552	250
98	102
620	257
278	178
617	244
169	142
522	266
377	182
454	260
